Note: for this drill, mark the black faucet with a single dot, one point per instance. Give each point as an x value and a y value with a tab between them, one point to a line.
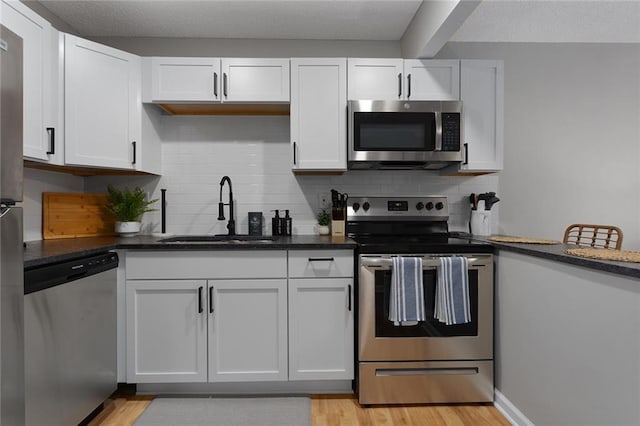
231	226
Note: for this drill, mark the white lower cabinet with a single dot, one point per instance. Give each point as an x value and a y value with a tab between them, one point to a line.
247	330
208	317
320	328
166	332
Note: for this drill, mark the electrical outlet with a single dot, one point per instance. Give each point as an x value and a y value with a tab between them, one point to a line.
323	200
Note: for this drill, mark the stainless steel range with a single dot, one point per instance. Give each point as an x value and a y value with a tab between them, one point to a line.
428	362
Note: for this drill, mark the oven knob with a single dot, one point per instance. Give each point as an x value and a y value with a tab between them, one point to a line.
356	207
429	205
365	206
439	206
419	206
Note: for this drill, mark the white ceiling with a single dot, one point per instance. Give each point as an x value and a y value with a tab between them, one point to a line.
492	20
260	19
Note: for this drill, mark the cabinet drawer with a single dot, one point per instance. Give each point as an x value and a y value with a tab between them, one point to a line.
320	263
206	264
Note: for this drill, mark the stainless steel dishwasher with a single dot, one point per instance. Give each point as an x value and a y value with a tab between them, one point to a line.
70	339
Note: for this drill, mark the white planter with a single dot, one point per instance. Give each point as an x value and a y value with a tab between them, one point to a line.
128	229
323	229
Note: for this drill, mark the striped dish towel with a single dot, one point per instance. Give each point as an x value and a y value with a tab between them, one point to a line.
452	291
406	303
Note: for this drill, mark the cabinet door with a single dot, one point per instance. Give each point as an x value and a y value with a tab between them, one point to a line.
102	105
321	329
319	114
247	330
255	80
432	80
379	79
36	50
166	331
482	93
185	79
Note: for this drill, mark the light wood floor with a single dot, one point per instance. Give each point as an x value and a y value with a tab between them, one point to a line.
341	410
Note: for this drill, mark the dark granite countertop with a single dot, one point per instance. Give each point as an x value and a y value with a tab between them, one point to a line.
38	253
556	252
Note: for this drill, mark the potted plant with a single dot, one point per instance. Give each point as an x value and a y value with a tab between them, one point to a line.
127	206
324	219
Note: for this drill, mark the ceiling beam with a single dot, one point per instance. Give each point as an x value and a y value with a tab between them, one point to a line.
433	25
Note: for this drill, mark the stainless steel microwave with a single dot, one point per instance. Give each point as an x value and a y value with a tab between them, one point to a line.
404	134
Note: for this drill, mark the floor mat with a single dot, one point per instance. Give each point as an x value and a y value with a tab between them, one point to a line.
243	411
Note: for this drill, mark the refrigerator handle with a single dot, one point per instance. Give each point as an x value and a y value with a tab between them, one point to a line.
4	209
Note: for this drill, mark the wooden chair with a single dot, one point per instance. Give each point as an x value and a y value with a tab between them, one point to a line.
600	236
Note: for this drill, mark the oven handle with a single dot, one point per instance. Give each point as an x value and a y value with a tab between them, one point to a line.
427	262
426	371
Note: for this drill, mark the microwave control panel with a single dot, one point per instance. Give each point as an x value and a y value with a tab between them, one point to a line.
451	131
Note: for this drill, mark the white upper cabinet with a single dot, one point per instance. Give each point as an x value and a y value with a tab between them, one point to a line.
432	79
379	79
403	79
36	34
255	80
482	95
185	79
216	80
319	114
102	105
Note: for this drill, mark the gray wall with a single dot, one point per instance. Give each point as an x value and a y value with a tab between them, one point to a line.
572	135
567	342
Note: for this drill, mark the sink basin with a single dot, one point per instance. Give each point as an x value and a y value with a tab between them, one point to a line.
218	239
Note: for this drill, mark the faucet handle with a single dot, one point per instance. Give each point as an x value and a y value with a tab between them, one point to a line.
220	211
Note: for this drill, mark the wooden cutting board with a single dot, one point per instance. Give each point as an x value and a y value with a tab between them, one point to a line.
75	214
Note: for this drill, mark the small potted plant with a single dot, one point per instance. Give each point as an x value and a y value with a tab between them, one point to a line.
128	207
324	219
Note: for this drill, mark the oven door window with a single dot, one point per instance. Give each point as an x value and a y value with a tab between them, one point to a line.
394	131
431	327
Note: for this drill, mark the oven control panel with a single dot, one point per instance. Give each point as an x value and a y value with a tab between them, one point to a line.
432	207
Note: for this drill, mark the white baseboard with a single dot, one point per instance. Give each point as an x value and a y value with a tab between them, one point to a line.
510	411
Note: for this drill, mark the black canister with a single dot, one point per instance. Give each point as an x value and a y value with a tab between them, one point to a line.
255	223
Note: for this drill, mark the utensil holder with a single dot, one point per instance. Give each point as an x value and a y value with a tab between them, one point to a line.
480	222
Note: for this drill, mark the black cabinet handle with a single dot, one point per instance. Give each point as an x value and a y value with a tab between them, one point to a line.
349	296
399	85
224	84
133	144
210	300
52	140
215	85
466	153
408	86
294	152
200	300
321	259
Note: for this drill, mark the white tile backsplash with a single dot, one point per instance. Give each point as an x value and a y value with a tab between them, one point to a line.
254	151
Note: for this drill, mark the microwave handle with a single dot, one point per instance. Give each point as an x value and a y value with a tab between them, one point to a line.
438	144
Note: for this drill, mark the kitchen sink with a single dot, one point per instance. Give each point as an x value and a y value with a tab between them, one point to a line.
243	238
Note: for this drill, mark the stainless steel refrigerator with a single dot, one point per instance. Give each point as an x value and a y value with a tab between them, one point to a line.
12	405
